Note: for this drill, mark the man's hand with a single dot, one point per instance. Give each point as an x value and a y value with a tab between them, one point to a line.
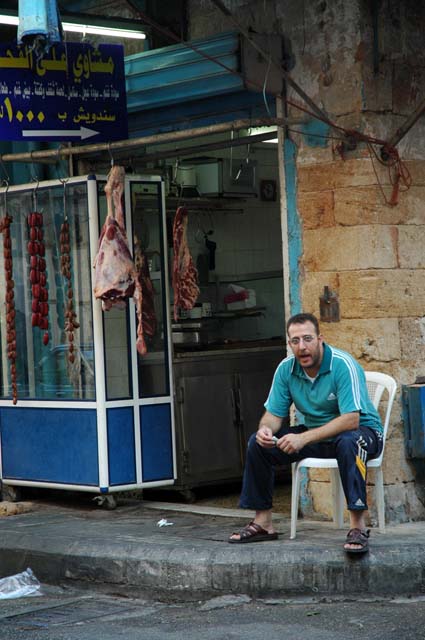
291	442
264	437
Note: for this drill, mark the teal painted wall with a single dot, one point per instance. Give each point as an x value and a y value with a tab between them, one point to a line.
315	135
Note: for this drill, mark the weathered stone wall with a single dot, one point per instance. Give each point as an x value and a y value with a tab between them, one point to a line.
368	252
375	263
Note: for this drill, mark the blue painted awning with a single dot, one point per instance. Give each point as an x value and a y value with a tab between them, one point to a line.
171	75
177	87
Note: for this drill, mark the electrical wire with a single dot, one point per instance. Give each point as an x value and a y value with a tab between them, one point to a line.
189	45
393	161
266	77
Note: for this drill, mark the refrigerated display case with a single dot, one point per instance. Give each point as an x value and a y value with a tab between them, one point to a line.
101	420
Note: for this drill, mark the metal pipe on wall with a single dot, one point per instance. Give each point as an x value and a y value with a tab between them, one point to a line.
159	138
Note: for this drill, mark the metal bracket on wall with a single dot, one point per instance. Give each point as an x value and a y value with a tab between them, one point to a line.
180	395
185	461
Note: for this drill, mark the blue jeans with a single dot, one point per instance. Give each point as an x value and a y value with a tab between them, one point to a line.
351	449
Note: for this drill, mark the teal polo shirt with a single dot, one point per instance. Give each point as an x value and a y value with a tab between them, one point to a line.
340	387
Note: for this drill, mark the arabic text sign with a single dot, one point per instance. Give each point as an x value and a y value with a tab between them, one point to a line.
74	92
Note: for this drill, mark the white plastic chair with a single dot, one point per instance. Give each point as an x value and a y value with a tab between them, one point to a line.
376	385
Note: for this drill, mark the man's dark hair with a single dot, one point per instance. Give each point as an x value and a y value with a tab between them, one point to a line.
301	318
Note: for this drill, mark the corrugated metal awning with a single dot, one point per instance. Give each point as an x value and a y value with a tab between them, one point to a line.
176	74
187	85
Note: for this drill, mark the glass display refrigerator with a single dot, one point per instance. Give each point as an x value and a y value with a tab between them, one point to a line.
80	408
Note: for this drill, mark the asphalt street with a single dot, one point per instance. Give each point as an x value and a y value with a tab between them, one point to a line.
68	614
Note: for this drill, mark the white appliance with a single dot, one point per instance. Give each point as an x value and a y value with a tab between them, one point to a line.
225	179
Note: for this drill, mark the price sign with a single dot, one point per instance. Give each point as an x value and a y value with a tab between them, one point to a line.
73	92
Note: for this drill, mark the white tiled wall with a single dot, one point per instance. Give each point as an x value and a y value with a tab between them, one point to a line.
248	242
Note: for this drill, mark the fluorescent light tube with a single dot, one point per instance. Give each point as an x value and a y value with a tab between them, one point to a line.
86	29
103	31
9	20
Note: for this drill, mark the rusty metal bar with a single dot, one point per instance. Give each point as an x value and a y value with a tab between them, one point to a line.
133	143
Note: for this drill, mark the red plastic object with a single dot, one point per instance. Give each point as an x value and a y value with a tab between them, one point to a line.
236	297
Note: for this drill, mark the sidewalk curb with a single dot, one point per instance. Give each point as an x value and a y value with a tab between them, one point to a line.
193	572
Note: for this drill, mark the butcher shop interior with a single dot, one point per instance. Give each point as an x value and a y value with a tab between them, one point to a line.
231	200
225	348
227	336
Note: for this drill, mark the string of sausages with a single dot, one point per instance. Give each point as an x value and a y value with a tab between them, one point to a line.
39	291
70	324
10	302
38	277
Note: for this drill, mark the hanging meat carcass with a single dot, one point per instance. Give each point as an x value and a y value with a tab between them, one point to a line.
143	276
185	276
115	278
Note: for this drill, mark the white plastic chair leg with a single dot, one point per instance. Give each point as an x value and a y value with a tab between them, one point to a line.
294	499
337	499
379	498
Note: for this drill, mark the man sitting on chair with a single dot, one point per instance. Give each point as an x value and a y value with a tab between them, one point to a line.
328	387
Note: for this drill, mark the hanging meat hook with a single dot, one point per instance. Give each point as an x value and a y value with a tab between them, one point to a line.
34	177
110	155
7	185
6	182
248	150
63	182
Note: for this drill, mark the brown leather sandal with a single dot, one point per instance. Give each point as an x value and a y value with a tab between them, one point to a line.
253	532
360	537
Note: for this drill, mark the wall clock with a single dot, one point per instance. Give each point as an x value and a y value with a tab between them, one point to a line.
268	190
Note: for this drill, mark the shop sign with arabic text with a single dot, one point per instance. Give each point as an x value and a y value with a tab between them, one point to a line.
74	92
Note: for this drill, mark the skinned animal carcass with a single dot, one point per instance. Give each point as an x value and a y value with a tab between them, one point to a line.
150	323
185	276
115	279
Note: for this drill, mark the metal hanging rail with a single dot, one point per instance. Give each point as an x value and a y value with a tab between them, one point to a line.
48	155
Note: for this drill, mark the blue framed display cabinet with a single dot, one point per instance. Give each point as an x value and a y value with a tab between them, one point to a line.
103	420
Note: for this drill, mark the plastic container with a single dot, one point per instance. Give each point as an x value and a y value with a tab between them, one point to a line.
249	302
206	310
196	312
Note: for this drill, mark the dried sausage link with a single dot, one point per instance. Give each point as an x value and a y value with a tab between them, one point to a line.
65	262
10	303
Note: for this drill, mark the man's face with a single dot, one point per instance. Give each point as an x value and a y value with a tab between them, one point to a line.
306	345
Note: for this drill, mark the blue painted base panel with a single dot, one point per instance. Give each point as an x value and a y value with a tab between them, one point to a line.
157	448
49	445
121	446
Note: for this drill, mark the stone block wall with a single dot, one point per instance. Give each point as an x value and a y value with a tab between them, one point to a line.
372	255
368	252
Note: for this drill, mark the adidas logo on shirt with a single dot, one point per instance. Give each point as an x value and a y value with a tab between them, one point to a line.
331	396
